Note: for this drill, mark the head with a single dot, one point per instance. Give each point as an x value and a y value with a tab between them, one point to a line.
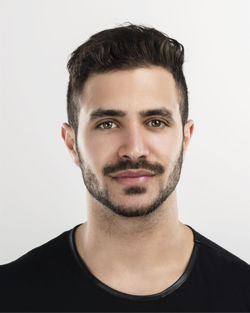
130	71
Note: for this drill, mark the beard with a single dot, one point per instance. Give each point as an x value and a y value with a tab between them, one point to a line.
102	195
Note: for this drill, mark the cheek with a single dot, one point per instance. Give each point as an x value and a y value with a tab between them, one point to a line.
167	147
95	150
98	145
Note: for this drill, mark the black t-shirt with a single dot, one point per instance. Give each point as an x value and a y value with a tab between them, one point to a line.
54	278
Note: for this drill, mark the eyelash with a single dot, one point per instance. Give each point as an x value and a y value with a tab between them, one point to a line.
98	126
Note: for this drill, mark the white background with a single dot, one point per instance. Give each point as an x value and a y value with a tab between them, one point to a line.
42	192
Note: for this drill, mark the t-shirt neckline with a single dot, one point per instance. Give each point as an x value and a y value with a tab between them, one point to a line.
123	295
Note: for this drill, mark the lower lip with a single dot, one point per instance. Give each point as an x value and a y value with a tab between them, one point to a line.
133	180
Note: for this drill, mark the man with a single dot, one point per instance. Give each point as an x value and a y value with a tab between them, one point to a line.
128	132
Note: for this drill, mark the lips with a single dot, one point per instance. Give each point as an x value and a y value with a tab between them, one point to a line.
134	174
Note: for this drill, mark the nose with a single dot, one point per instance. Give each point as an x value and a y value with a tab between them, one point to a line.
134	145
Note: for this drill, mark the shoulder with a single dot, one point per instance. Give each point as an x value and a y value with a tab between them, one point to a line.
220	253
218	260
37	261
38	278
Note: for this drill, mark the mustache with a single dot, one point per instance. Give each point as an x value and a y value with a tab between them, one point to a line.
128	165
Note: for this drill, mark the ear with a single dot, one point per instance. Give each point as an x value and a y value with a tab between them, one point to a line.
188	132
68	136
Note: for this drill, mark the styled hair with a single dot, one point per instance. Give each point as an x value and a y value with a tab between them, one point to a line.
123	48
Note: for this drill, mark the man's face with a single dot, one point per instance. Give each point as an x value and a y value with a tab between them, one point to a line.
110	144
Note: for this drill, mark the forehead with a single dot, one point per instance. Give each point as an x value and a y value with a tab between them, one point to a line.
131	90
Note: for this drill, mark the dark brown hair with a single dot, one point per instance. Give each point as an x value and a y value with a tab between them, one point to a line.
120	48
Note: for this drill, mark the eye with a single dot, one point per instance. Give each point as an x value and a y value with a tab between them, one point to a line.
159	122
105	123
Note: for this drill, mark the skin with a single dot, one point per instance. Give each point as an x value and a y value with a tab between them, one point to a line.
132	240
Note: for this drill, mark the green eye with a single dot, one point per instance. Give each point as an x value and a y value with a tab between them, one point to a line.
158	124
106	122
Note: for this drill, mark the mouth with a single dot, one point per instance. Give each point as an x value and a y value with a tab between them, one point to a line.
138	180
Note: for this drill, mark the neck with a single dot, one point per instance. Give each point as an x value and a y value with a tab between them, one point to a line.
132	243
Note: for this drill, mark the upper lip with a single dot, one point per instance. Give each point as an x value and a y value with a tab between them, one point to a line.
134	173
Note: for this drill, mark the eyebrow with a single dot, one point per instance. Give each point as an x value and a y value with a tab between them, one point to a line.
118	113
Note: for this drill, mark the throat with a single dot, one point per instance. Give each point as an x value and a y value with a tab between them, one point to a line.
137	274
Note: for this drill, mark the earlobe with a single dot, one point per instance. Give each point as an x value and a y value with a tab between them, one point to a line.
68	136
